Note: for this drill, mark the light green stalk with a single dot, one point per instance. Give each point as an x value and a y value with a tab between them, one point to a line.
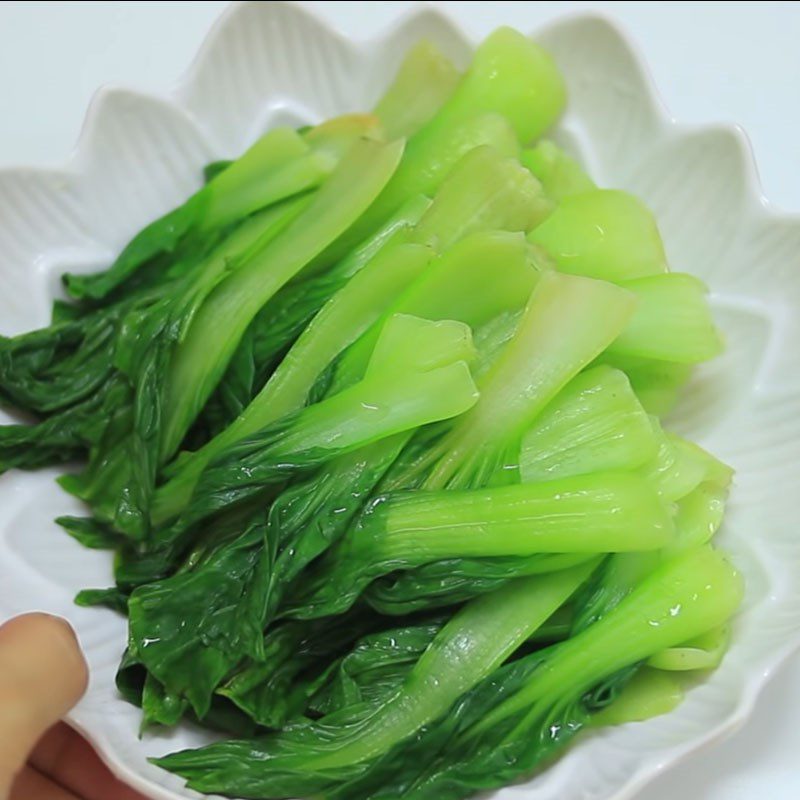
699	516
682	599
657	383
560	175
603	233
512	75
474	280
672	322
421	376
427	162
595	423
700	653
485	190
378	407
599	513
650	693
425	80
474	643
680	466
307	759
384	403
585	515
214	334
511	93
484	275
246	240
278	165
510	79
340	321
567	323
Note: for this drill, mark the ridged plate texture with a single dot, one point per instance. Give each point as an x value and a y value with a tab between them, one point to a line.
270	63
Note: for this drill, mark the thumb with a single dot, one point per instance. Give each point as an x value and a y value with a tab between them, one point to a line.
42	675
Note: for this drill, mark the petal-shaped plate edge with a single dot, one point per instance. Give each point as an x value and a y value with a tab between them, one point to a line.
79	245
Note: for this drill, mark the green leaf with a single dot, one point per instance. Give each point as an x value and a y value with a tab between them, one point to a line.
277	166
55	368
90	532
190	630
121	475
453	580
65	435
159	706
311	516
111	598
211	170
306	758
161	237
375	667
549	695
296	661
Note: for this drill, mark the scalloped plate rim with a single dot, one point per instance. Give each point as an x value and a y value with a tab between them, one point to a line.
175	96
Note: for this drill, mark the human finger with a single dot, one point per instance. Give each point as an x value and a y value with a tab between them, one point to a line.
65	756
32	785
42	675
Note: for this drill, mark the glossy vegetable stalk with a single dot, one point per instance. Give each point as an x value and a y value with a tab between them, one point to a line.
680	466
202	355
485	190
340	321
512	75
549	696
511	93
425	80
672	322
567	322
605	234
595	423
281	164
484	275
560	175
307	758
435	385
702	585
472	282
599	513
658	384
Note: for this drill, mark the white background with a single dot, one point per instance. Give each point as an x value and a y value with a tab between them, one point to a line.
731	62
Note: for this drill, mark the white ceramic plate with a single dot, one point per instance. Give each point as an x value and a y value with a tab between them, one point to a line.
265	64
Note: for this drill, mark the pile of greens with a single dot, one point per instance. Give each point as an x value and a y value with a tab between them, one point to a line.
372	425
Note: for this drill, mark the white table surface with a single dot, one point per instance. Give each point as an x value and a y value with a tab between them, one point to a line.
732	62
